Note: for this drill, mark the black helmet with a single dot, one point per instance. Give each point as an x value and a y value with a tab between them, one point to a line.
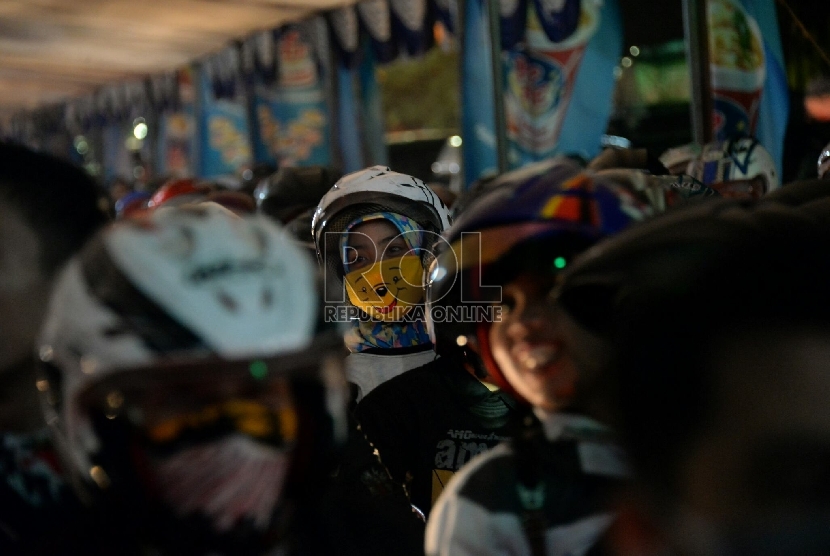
292	190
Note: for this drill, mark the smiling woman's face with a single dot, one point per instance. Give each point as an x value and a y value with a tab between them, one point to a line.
547	357
371	242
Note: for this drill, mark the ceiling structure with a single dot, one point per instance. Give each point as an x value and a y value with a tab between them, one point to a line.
51	50
55	49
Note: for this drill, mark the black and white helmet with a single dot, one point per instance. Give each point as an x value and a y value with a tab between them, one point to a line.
730	167
375	189
183	349
823	164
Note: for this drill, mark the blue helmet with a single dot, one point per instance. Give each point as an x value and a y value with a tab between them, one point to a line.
533	220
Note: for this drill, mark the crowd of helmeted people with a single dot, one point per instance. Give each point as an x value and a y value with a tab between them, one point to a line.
628	355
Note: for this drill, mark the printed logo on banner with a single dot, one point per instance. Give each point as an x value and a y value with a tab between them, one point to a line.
225	146
738	68
228	139
533	89
538	81
177	131
292	117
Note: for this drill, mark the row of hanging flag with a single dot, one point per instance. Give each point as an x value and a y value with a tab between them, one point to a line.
305	93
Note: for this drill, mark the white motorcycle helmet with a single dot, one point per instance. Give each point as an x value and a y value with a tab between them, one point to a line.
823	165
375	189
183	364
737	168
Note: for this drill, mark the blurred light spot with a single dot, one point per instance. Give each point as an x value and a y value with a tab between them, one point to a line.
437	273
140	131
258	369
818	107
133	144
455	141
634	50
461	340
99	476
88	365
115	399
626	62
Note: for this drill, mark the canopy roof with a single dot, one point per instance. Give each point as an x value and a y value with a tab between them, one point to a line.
54	49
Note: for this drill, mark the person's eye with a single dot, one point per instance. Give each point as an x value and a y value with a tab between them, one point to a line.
357	261
350	256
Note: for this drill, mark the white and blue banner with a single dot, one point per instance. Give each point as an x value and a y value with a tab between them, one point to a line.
225	137
116	157
557	78
376	19
176	147
749	82
348	120
292	115
372	111
586	118
558	83
478	119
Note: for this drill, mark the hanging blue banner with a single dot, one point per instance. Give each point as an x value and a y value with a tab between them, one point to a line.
348	122
175	145
376	19
116	157
749	84
586	119
541	77
412	23
225	141
292	117
372	110
478	121
177	130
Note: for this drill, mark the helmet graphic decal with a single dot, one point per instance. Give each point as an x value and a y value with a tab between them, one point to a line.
245	478
739	167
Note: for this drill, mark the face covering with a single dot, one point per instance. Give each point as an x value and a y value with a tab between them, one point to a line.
387	291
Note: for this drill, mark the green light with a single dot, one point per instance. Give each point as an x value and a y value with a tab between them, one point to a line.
258	369
559	262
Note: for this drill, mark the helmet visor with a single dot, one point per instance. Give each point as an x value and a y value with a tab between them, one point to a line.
211	449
